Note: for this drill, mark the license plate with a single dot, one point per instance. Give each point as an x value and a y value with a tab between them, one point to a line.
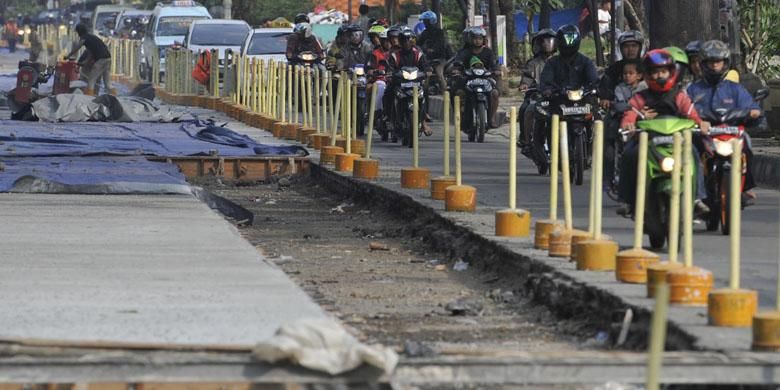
581	110
410	84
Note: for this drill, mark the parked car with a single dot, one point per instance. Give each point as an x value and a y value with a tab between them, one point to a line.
220	34
169	24
266	43
131	24
104	18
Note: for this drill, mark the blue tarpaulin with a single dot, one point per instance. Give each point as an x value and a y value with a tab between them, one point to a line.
110	157
557	19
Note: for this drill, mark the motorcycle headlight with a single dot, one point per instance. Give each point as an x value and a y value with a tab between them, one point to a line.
479	72
409	75
723	148
307	57
20	33
360	71
667	164
575	95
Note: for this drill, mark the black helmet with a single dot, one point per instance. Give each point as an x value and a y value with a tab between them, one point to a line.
714	51
394	31
355	34
568	38
543	41
301	18
631	36
693	48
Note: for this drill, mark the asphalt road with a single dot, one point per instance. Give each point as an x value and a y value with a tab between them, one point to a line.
485	166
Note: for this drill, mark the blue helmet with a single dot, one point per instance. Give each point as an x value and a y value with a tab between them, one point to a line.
428	17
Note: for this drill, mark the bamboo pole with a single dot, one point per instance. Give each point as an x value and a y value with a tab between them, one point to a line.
657	337
554	167
599	173
446	133
415	127
641	187
371	108
458	176
674	202
512	158
566	179
735	211
337	110
348	115
688	199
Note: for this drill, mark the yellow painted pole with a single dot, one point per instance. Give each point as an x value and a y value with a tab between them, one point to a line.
592	203
554	167
353	109
337	111
317	99
599	173
283	94
688	199
446	133
415	127
247	82
371	108
215	70
641	187
348	114
309	97
304	98
735	210
657	337
458	177
674	202
345	115
290	93
512	157
255	85
564	145
296	91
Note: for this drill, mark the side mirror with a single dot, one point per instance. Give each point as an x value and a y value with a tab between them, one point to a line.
761	94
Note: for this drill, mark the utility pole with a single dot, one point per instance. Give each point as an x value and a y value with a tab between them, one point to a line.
227	5
349	10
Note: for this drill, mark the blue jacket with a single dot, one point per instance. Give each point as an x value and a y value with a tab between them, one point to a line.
726	94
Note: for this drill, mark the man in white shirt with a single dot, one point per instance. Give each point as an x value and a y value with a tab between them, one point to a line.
604	16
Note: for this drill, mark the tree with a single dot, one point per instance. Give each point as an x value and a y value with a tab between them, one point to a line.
676	22
760	38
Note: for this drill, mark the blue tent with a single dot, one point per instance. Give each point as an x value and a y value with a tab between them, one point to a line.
557	19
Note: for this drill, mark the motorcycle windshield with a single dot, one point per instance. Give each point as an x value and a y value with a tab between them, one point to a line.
666	125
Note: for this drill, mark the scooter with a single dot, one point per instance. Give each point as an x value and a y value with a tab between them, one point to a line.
660	162
29	77
727	126
479	86
407	78
359	73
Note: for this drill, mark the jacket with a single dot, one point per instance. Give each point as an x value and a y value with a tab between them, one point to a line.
674	102
575	72
726	94
434	44
296	45
400	58
355	55
532	71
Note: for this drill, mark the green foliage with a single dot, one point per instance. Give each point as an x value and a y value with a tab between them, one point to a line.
758	53
271	9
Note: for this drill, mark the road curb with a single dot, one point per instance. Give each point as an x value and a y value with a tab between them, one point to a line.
766	170
570	298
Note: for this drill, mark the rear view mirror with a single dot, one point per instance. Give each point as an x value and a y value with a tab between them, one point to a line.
761	94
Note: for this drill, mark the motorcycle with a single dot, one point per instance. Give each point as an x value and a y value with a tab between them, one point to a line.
407	78
29	77
576	107
660	162
359	73
727	126
479	85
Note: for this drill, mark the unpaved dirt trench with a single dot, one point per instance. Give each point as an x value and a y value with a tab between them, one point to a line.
397	294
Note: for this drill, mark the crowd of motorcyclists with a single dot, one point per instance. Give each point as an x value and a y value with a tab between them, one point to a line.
694	82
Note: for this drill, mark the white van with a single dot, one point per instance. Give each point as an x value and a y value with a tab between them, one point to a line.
267	44
220	34
169	23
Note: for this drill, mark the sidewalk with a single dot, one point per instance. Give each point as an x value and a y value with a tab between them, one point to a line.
136	270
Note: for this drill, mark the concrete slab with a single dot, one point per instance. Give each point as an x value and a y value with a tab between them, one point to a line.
136	269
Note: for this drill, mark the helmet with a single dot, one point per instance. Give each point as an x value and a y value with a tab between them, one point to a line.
692	48
301	18
342	31
475	61
476	32
714	51
394	31
631	36
377	29
678	54
406	36
355	34
659	58
383	34
543	41
568	38
302	29
81	29
429	18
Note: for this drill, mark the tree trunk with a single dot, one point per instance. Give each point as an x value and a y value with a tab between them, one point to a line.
544	15
634	18
675	22
507	8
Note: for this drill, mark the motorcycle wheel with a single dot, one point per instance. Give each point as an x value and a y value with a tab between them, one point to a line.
408	132
540	156
724	198
713	201
579	160
361	117
656	224
481	122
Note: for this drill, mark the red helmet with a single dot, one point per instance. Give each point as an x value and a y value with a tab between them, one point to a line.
659	58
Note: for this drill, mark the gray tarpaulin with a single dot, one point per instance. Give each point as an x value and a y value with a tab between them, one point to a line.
104	108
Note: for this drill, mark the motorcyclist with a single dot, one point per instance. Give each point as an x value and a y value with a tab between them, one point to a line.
301	18
630	44
543	47
692	50
377	64
357	51
434	44
335	51
394	34
477	37
713	92
408	55
303	40
663	97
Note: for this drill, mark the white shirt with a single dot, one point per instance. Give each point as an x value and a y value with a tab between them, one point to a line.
604	20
